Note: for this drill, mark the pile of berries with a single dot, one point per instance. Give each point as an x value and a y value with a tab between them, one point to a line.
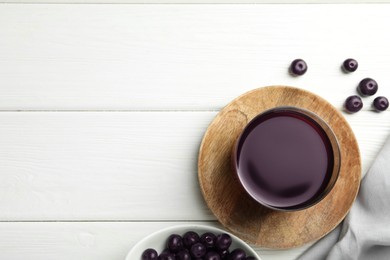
208	246
366	87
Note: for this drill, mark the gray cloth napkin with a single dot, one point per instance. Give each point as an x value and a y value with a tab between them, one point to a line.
365	232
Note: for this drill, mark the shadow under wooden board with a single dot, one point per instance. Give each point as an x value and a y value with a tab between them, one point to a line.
236	210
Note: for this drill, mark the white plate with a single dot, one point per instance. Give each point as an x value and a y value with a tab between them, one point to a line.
158	239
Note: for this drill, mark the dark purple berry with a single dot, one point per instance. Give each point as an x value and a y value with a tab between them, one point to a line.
190	238
149	254
368	87
224	253
208	239
183	255
212	255
350	65
353	104
250	258
237	254
223	241
381	103
198	250
166	256
175	243
298	67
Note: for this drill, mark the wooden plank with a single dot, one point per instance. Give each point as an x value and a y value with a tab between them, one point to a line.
101	166
195	1
182	57
89	240
107	166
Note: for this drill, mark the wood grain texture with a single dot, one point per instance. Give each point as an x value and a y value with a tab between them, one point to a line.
107	165
195	1
183	57
101	166
232	205
117	166
90	240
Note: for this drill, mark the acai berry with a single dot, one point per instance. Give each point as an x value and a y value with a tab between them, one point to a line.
381	103
350	65
368	87
298	67
353	104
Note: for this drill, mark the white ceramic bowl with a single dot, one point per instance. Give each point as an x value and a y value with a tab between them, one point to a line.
158	239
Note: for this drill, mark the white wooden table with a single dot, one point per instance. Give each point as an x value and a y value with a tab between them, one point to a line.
103	108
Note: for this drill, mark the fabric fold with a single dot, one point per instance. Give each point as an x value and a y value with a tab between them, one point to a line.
365	232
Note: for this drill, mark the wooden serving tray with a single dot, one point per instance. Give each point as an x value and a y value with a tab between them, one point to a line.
236	210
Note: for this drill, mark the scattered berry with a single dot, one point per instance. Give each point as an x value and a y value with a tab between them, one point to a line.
381	103
353	104
368	87
298	67
350	65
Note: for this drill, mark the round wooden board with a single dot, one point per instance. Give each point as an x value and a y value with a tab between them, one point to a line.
236	210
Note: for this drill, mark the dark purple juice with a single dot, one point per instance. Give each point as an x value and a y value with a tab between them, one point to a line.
284	159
